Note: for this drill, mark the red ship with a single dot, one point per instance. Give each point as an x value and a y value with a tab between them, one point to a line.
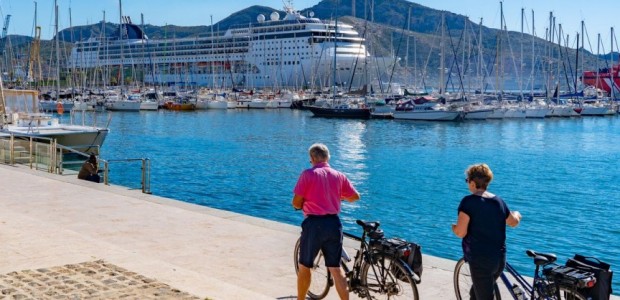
603	79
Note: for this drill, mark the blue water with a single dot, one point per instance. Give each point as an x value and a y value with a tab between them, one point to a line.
561	174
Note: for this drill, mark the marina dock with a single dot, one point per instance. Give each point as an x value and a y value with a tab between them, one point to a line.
67	238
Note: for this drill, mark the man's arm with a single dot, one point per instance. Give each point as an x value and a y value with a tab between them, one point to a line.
353	198
298	202
460	228
514	218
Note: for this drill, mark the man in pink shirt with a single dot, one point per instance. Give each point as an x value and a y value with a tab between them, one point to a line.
318	193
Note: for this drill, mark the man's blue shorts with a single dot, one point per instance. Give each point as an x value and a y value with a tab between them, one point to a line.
322	233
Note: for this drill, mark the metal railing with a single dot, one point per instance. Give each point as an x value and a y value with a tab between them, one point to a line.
145	182
46	154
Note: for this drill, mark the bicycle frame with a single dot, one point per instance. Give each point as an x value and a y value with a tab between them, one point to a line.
526	286
357	263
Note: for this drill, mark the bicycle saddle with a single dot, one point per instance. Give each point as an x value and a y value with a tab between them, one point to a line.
368	226
541	258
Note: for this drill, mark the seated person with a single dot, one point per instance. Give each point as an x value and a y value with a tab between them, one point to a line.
89	170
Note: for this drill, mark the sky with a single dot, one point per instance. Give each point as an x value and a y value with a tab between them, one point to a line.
599	17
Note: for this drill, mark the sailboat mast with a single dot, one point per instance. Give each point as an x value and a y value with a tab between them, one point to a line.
120	31
521	56
480	57
408	33
212	51
611	70
532	66
441	61
335	50
104	71
57	51
583	25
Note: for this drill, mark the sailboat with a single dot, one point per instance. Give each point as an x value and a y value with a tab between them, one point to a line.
343	108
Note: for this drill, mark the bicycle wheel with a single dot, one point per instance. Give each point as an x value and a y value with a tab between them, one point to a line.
381	280
321	279
463	282
568	294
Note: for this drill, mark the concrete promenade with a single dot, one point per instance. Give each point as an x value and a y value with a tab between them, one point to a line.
67	238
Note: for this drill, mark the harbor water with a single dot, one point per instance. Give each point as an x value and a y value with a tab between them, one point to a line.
561	174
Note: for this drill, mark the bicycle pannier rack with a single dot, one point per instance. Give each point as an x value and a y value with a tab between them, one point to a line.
570	278
409	253
602	289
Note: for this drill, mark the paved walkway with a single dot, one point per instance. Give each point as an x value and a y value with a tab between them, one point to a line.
67	238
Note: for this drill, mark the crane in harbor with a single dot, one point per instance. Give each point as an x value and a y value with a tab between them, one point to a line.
7	44
34	62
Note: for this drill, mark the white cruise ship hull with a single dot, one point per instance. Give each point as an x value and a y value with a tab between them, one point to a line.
295	51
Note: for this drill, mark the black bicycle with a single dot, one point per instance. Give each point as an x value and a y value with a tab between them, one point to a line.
551	281
380	269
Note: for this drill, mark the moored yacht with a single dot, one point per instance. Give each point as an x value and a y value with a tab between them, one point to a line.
21	116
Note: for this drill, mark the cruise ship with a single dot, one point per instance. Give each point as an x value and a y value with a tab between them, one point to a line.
293	51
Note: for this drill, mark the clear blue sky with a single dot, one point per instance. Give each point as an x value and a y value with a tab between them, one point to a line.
599	16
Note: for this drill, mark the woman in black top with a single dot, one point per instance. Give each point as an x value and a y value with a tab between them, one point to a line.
481	223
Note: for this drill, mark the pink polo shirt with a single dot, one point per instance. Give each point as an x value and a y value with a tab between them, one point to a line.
322	189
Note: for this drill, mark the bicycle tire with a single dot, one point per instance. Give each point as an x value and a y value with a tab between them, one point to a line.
569	294
463	282
380	281
321	278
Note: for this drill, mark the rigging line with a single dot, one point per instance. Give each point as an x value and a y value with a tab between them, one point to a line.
400	42
358	55
455	60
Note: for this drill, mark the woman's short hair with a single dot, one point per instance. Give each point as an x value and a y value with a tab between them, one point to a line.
92	158
319	152
480	174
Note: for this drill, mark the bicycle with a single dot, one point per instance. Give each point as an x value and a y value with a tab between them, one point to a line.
550	282
377	272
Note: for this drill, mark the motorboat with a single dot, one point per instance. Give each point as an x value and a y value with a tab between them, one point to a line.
21	116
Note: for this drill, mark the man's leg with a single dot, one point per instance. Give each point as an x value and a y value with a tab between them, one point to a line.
341	282
303	281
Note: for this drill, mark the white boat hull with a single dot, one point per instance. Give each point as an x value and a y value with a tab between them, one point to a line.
515	113
428	115
537	112
597	111
563	111
217	104
123	105
279	104
480	114
149	105
498	113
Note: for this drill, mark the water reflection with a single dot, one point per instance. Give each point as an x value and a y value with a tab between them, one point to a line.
351	150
